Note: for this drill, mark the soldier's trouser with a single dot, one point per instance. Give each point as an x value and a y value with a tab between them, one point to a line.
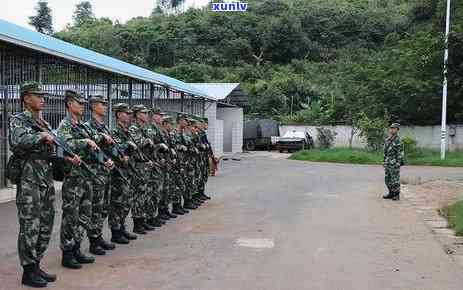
99	204
77	210
185	184
166	189
120	201
154	194
176	187
36	215
392	179
140	192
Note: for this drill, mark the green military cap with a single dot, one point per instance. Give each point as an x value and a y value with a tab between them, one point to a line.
167	119
192	120
140	109
31	87
181	116
122	107
205	120
98	99
157	110
76	96
395	125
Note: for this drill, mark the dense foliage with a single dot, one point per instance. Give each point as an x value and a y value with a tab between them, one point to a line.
42	21
317	61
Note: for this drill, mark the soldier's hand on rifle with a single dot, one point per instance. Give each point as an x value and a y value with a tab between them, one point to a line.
92	145
150	163
108	139
109	164
125	160
74	160
132	145
46	138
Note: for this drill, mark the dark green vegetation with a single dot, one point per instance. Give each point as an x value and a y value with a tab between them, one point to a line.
454	215
360	156
326	61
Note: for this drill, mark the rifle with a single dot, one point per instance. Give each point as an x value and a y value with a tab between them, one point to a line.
58	143
142	155
102	157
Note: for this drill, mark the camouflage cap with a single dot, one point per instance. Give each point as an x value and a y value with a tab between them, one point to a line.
140	109
33	88
98	99
395	125
157	110
74	95
192	121
167	119
205	120
181	116
122	107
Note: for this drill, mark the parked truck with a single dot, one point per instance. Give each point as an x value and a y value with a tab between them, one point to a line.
258	134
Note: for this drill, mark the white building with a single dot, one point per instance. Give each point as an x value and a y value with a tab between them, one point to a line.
225	114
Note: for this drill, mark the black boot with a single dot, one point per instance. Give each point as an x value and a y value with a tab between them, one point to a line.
388	196
81	257
171	215
46	276
138	227
184	210
147	226
127	234
32	278
177	209
396	196
106	245
163	214
69	261
154	222
204	196
118	238
95	247
189	205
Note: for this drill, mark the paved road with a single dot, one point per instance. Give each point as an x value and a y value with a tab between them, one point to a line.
273	224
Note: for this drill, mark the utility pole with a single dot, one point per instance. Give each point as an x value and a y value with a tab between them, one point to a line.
443	145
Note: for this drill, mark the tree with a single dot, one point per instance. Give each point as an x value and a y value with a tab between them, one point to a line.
83	13
43	21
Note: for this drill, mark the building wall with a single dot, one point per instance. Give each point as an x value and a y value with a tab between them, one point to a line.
232	128
215	128
426	136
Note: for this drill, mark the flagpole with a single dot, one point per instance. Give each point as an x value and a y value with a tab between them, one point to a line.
443	146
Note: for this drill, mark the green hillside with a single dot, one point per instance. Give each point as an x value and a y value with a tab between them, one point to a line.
328	61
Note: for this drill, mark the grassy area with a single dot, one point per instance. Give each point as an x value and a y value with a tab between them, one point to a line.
359	156
454	215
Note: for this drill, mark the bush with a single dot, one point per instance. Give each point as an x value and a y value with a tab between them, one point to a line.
326	137
373	131
410	147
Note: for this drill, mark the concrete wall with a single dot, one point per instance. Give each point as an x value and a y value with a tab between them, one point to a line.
426	136
232	128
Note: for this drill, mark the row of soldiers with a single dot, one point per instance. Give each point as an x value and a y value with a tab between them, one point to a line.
144	166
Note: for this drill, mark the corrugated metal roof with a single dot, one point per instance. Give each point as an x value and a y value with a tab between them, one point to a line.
217	91
25	37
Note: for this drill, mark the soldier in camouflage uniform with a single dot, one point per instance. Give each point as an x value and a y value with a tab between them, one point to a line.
138	134
100	203
206	152
196	160
393	160
77	185
170	193
35	193
185	153
121	191
157	175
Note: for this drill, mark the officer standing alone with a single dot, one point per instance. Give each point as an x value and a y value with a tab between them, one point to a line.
393	160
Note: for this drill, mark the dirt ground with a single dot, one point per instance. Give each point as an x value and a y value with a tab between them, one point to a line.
428	198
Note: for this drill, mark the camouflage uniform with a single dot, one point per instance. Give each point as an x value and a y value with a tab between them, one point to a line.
393	159
121	191
35	193
173	175
205	151
100	186
77	186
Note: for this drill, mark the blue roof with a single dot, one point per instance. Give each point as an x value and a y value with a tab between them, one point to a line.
25	37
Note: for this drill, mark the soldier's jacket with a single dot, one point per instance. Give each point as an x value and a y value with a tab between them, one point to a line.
98	130
122	138
171	156
25	143
140	137
393	152
74	134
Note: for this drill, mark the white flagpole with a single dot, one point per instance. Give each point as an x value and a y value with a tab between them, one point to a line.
443	146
